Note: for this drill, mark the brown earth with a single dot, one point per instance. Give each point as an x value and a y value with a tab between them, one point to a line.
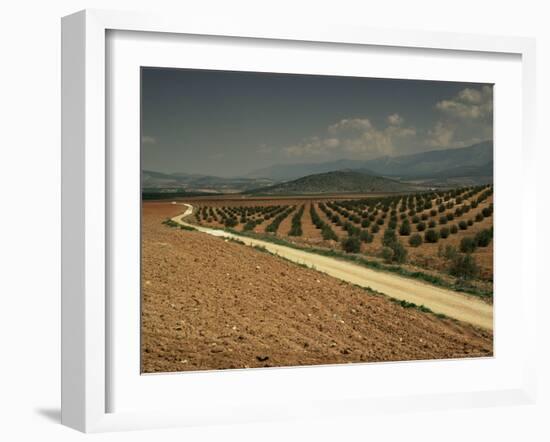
312	233
208	303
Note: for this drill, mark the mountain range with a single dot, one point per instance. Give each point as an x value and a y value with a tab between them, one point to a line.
450	167
475	160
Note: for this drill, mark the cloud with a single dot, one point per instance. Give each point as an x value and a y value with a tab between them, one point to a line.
461	120
356	136
465	119
146	139
395	120
469	104
350	125
441	135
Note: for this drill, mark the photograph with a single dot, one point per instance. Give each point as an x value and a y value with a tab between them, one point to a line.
302	220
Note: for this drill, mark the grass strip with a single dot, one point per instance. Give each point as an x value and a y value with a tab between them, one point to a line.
458	286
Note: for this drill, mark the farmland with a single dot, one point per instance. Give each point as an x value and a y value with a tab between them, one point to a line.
446	233
211	303
386	277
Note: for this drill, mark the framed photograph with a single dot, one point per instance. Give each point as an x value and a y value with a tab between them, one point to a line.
262	222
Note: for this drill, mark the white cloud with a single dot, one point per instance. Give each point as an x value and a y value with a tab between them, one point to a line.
469	104
350	125
462	120
441	135
146	139
465	119
395	119
356	136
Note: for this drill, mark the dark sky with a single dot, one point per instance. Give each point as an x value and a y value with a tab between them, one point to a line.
230	123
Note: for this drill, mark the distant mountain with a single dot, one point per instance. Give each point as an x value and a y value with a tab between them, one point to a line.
285	172
431	163
420	165
341	181
152	180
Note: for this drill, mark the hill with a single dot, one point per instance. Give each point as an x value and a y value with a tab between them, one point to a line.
341	181
285	172
429	164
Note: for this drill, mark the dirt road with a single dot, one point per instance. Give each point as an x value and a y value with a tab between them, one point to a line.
453	304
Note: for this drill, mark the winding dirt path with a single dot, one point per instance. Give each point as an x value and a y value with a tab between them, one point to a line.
439	300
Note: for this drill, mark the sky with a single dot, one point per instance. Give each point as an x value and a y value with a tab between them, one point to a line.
228	123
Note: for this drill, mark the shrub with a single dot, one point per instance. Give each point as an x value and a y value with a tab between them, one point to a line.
431	236
470	222
231	222
444	232
415	240
352	244
467	244
365	223
250	224
380	221
464	266
443	219
405	228
399	253
479	217
296	227
421	226
483	238
433	212
462	225
365	236
450	216
415	219
424	216
375	228
328	233
454	229
431	224
396	253
387	254
487	211
274	225
448	252
389	237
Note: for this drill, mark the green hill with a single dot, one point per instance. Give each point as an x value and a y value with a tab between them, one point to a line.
341	181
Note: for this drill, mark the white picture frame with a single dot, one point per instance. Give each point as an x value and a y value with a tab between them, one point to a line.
85	202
